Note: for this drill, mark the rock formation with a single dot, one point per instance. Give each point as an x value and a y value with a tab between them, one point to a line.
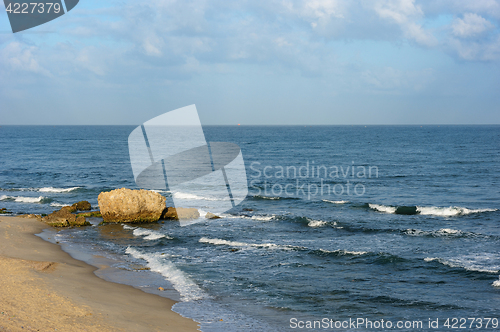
135	206
180	213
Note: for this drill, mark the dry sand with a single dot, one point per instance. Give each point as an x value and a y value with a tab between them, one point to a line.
42	288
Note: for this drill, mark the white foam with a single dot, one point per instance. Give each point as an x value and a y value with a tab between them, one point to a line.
316	223
497	282
187	196
263	218
187	288
335	202
449	231
458	263
449	211
440	232
149	234
345	252
128	227
57	190
247	245
22	199
269	197
55	204
432	210
382	208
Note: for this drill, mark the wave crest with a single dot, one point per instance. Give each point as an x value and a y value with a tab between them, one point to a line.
427	210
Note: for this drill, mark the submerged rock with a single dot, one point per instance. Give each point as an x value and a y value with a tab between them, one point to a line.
95	214
135	206
64	218
180	213
82	206
210	215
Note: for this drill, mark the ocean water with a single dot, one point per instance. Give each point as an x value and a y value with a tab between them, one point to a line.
400	223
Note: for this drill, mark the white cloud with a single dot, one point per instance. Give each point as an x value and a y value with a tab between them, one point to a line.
471	25
21	57
407	15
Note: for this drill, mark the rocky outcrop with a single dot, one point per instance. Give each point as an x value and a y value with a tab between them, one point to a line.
64	218
211	216
4	211
94	214
135	206
82	206
180	213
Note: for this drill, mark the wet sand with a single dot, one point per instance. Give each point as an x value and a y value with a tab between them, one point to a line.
44	289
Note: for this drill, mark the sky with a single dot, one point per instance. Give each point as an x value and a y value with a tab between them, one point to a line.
256	62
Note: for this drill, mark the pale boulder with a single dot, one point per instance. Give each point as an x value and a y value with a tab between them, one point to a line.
134	206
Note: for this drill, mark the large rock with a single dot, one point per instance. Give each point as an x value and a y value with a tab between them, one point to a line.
180	213
126	205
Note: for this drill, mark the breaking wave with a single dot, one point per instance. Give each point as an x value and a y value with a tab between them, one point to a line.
57	190
427	210
187	288
22	199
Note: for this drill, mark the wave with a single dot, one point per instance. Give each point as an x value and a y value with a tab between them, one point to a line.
496	283
335	202
55	204
149	234
342	252
188	196
456	263
249	245
57	190
427	210
23	199
437	233
316	223
187	288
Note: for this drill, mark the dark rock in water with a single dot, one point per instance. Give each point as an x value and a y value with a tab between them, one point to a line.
64	218
135	206
82	206
69	209
79	222
95	214
210	215
180	213
408	210
4	211
246	209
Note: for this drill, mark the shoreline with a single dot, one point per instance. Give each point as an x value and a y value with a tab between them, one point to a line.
44	288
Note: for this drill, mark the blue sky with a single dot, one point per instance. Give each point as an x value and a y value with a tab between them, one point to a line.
256	62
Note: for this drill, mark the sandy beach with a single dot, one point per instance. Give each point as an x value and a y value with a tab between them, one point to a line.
44	289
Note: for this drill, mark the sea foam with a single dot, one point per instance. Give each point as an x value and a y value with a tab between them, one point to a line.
458	263
22	199
57	190
186	287
149	234
428	210
335	202
248	245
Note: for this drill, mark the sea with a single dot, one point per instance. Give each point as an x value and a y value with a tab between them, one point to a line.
346	228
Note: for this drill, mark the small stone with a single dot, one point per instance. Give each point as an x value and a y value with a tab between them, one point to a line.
211	216
180	213
82	206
